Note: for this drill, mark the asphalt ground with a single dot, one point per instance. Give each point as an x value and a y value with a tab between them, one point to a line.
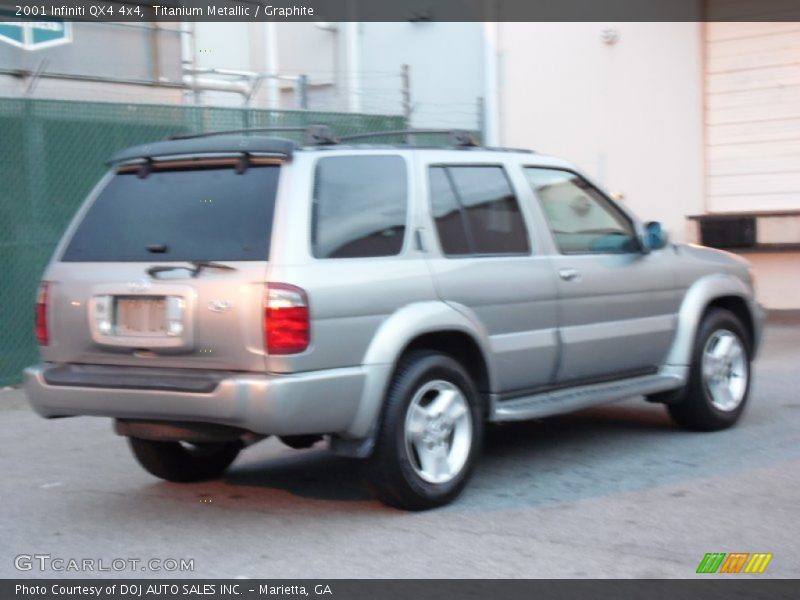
616	491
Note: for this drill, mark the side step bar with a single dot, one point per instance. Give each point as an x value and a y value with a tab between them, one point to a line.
566	400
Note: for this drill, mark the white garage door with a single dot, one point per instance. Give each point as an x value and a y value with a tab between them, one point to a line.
752	92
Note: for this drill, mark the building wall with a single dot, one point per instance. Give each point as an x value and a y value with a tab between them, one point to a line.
445	65
133	52
629	114
445	61
306	48
777	275
65	89
103	61
223	46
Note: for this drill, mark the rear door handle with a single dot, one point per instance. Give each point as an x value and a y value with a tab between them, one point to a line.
568	274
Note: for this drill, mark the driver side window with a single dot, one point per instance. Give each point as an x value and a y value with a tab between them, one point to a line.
581	218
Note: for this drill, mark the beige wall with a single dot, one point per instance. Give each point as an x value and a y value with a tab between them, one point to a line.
89	91
629	114
777	273
777	278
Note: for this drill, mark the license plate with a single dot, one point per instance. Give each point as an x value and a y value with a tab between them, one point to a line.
141	316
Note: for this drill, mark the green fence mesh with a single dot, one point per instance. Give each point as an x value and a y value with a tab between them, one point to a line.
52	152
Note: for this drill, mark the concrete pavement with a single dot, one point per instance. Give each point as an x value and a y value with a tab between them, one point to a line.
616	491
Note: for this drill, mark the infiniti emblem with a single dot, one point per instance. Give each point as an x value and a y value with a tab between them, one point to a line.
219	306
138	286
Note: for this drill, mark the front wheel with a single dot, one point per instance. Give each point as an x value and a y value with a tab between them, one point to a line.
719	376
430	434
183	462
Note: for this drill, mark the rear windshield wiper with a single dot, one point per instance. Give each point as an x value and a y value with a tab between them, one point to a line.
198	265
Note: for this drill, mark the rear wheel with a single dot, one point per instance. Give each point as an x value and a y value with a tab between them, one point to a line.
719	376
430	434
184	462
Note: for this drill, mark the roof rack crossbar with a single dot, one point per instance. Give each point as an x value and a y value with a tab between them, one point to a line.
456	137
314	134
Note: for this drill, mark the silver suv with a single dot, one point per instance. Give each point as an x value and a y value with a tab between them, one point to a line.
390	299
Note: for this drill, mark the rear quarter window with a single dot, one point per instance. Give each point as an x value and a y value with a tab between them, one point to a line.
360	206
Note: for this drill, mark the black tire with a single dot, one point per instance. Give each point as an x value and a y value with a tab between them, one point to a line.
391	472
693	408
184	463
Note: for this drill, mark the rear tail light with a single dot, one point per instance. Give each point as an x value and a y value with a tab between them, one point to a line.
42	300
287	328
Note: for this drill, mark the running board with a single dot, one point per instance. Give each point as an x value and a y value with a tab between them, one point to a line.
566	400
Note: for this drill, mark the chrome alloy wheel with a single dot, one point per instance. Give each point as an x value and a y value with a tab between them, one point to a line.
438	431
725	370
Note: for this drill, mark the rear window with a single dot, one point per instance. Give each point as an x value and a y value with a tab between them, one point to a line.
184	215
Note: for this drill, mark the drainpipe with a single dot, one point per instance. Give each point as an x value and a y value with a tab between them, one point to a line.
491	83
245	83
327	26
353	52
192	79
189	51
273	87
155	53
199	84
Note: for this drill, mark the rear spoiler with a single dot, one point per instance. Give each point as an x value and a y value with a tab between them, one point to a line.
217	145
237	141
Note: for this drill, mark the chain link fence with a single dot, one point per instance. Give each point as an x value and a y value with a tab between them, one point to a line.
52	152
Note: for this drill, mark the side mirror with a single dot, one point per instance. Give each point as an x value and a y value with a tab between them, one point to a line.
655	236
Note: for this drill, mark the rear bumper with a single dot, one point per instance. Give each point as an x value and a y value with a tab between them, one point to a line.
316	402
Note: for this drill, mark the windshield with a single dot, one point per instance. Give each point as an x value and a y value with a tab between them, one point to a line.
179	215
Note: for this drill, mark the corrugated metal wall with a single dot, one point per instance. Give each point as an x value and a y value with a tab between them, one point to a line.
752	95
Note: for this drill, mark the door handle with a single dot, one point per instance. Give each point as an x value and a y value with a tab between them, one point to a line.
568	274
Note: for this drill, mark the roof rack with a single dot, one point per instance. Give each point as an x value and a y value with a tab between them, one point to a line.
321	135
315	135
460	138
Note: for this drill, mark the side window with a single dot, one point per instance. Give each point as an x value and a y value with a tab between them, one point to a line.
476	211
582	219
359	207
451	223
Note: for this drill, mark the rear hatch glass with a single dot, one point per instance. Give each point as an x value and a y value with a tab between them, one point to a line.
206	214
